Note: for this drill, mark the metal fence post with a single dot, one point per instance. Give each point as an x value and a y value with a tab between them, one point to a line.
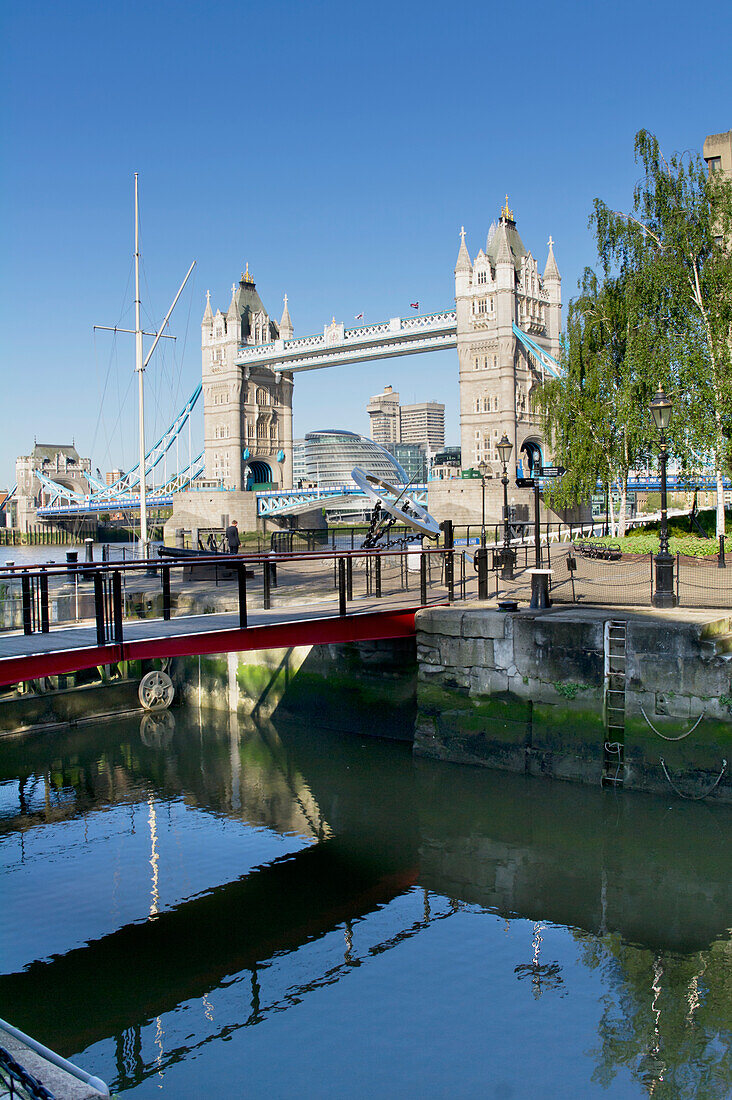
25	584
349	577
43	589
242	579
450	558
377	574
117	605
481	564
423	578
341	587
721	563
165	571
99	608
266	595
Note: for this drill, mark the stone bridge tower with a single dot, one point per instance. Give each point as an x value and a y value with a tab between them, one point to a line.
247	411
501	287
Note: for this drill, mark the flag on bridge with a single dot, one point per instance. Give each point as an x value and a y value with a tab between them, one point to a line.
414	305
358	317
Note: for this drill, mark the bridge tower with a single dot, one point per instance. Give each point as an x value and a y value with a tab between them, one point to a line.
501	288
247	410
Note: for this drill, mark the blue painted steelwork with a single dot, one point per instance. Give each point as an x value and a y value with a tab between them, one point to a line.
283	502
546	361
156	453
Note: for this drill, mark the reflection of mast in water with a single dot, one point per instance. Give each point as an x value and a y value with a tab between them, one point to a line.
542	974
153	823
653	1065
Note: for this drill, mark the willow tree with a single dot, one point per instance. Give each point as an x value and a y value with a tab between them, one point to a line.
673	254
595	413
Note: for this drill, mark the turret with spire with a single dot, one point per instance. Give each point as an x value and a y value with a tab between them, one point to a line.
286	330
208	317
553	288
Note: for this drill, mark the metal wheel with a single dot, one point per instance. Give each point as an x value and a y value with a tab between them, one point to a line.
156	691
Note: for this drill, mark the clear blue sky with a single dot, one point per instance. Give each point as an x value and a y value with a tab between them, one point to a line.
338	147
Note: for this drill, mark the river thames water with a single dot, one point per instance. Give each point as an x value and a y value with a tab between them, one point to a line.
202	906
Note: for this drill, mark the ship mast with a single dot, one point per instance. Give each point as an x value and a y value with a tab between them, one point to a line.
140	365
140	368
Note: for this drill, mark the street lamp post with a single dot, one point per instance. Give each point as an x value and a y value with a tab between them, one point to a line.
504	448
663	595
482	470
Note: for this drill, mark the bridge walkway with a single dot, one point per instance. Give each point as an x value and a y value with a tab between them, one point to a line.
75	647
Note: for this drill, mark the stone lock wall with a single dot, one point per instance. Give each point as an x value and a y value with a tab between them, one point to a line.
526	692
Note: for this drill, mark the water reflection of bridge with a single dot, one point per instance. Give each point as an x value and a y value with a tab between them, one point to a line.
388	848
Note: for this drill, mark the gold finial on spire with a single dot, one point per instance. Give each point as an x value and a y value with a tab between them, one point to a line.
246	277
506	213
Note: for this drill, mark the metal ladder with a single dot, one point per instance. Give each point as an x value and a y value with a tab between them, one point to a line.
613	769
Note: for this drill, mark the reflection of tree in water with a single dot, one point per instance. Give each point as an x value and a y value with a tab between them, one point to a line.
543	976
667	1017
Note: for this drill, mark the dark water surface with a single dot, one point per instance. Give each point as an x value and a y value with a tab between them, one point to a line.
210	907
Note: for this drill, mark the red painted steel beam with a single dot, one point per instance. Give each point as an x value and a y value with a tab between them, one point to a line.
371	626
34	665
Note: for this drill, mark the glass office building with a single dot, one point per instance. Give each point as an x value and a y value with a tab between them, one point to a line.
331	454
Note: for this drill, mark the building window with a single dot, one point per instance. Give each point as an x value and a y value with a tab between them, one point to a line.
481	277
481	306
714	164
262	396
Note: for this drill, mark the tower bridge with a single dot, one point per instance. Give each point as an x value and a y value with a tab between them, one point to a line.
505	327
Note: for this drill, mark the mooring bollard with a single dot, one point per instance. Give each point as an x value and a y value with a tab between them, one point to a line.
72	557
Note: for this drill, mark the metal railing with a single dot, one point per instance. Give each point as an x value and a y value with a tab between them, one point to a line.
111	594
16	1074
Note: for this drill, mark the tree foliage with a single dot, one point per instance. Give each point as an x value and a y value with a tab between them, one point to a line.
594	413
665	297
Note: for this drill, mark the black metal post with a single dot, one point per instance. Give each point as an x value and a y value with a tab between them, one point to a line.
99	608
25	585
721	563
482	512
537	526
266	594
242	581
450	558
664	593
43	589
117	605
481	564
377	575
165	570
349	577
508	556
423	578
341	587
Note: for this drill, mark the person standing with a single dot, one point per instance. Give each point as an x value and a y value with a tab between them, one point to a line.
232	537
